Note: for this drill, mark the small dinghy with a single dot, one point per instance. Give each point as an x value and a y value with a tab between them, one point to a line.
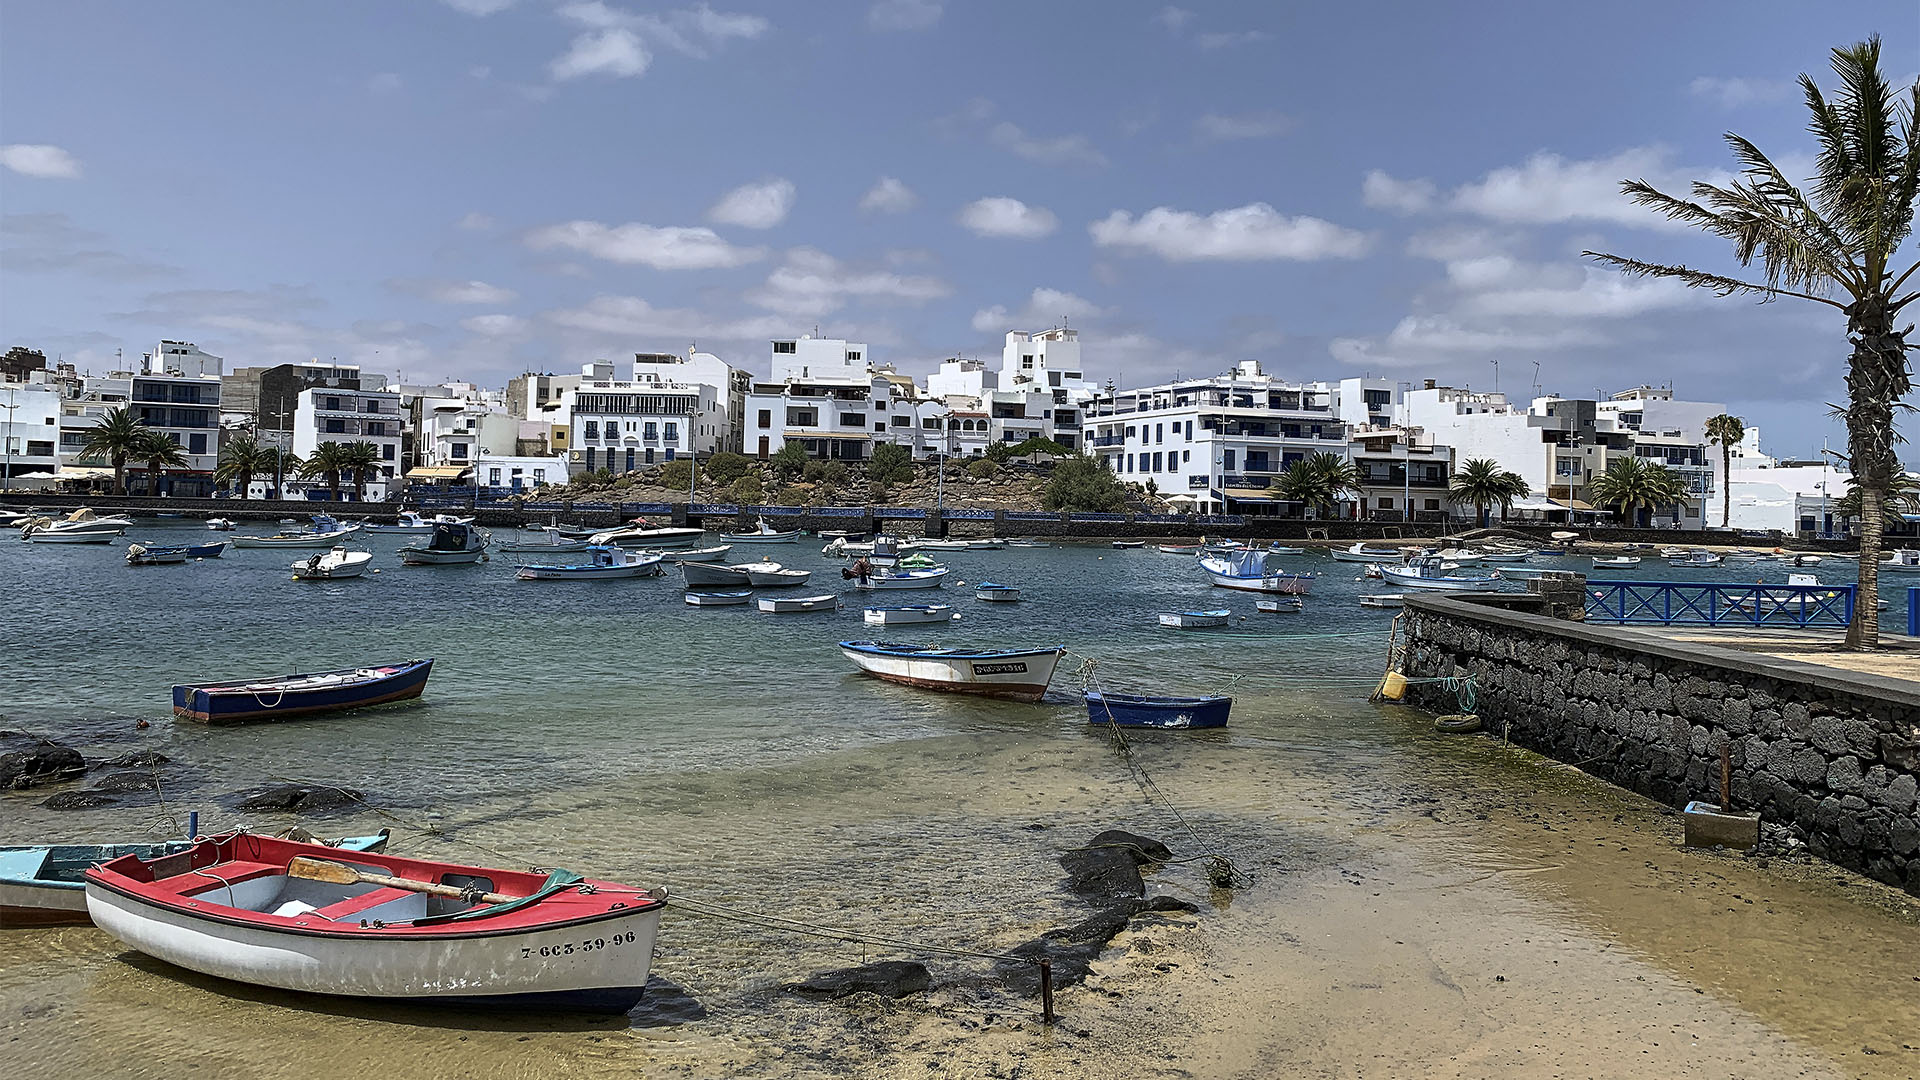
787	605
1289	606
314	919
141	554
327	565
764	534
1384	600
720	599
1194	620
1143	711
45	886
1020	674
919	613
995	593
287	696
604	562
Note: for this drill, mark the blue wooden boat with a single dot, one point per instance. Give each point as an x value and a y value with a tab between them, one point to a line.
1140	710
46	886
301	695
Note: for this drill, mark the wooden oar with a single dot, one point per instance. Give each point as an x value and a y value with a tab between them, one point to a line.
340	874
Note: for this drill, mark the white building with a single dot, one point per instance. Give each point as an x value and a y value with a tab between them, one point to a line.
338	415
827	396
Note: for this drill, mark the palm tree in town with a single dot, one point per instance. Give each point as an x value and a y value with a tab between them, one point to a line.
240	458
325	464
363	459
115	440
160	453
1837	244
1725	430
1482	483
1319	482
1633	483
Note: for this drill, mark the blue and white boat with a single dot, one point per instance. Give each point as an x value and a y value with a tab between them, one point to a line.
604	561
287	696
1432	572
1194	620
46	886
1020	674
1140	710
1247	571
995	593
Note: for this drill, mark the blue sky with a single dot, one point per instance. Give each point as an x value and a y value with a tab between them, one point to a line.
473	188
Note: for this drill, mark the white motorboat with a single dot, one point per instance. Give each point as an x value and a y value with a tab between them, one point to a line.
604	562
643	535
995	593
918	613
1021	674
1617	561
1193	620
786	605
720	599
220	524
1902	561
336	563
1290	606
764	534
1431	572
450	543
1363	554
411	523
903	579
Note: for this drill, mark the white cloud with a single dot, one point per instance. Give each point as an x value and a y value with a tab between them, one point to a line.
453	292
1173	18
386	82
904	14
480	8
615	52
811	283
1383	192
475	221
1001	216
1549	189
40	161
1261	125
760	205
1734	93
1057	150
671	247
888	196
495	326
1226	39
1254	231
1044	306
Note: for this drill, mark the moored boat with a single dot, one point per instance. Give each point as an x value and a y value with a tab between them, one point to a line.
310	918
1194	620
996	593
603	562
787	605
918	613
1021	674
285	696
732	598
1146	711
339	562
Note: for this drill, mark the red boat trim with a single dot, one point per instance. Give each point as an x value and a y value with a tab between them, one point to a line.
206	718
391	932
1015	691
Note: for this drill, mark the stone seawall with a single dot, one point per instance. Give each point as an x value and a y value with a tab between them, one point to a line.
1832	755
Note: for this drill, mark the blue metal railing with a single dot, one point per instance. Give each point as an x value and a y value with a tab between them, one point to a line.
1670	603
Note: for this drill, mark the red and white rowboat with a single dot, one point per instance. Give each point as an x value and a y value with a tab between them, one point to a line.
229	907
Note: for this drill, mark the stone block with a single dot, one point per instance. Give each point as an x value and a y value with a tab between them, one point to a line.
1706	826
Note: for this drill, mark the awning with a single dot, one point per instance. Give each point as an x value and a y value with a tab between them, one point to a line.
439	472
823	435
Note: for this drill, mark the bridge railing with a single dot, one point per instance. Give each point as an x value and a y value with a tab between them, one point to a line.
1676	603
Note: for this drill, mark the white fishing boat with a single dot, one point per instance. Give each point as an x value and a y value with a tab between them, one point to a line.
720	599
1194	620
1247	571
411	523
1384	600
1361	553
1696	557
1021	674
786	605
763	534
1432	572
644	535
220	524
918	613
336	563
450	543
995	593
1902	561
903	579
1615	562
1289	606
603	562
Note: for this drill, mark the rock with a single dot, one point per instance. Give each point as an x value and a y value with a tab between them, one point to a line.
1141	849
889	978
297	797
1102	874
121	783
48	763
78	800
138	759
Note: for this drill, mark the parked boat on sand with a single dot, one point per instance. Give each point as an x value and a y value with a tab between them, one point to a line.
1020	674
284	696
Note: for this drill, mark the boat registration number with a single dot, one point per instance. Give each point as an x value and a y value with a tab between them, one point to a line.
571	947
999	669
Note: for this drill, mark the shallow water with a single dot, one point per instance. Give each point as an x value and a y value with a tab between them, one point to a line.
733	757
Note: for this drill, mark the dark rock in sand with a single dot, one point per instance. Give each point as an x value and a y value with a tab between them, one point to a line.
48	763
121	783
1102	874
1142	849
138	759
889	978
297	797
78	800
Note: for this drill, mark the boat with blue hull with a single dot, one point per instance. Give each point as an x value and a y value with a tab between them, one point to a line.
289	696
1144	711
46	886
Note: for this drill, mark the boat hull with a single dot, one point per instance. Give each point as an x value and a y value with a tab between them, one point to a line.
1171	713
1021	676
218	705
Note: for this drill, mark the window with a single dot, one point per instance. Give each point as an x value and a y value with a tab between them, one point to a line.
336	427
783	347
672	431
196	444
766	418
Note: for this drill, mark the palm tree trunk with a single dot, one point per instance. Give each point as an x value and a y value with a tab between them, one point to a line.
1877	378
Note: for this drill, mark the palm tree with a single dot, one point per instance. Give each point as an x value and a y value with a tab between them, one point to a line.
1482	483
240	458
1318	481
116	438
326	463
160	453
1633	483
1834	245
363	460
1725	430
